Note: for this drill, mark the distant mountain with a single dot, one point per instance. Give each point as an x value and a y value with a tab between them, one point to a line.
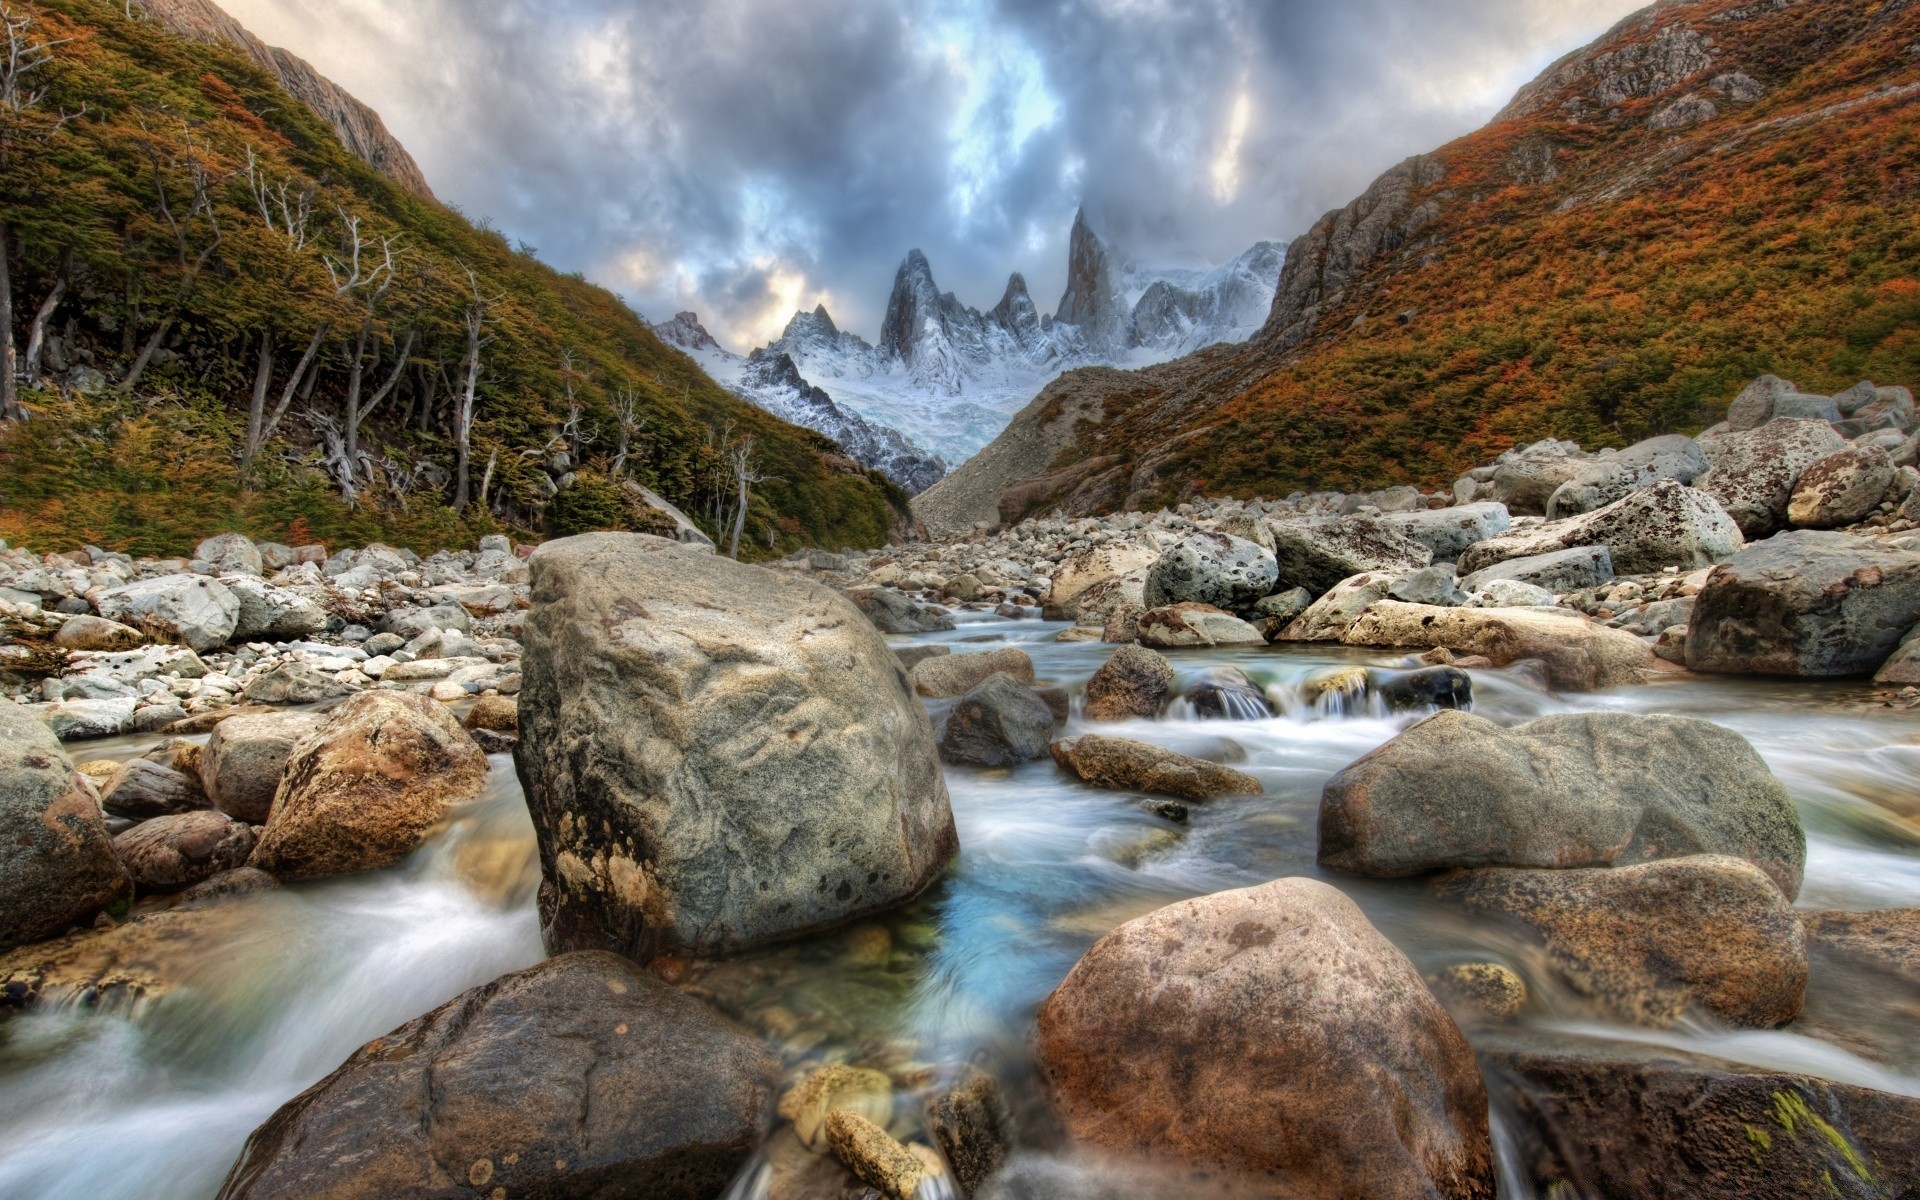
1710	190
949	376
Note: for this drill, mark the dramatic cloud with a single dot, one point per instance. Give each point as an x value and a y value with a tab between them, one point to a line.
749	157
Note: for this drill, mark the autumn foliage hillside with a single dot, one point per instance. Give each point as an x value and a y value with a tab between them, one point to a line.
1711	191
225	320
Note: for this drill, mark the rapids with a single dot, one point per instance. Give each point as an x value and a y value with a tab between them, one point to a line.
155	1097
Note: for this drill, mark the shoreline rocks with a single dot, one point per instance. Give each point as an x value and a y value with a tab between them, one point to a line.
57	865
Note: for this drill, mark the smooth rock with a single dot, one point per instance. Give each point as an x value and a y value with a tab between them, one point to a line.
1259	1036
495	714
189	609
141	790
1754	472
1133	683
1480	993
1611	477
231	554
1665	525
367	787
583	1077
1329	617
245	757
892	612
1123	764
1318	554
57	866
997	724
1579	654
1226	694
1557	571
1428	687
1840	489
1884	939
1213	569
1572	790
173	852
716	755
85	632
954	674
1190	624
1647	943
80	720
1447	532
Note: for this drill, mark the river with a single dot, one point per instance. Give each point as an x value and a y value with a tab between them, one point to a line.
154	1098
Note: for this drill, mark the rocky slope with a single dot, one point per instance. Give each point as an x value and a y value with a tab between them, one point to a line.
1708	190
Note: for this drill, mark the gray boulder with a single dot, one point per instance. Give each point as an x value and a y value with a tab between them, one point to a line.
1754	471
999	723
1559	571
1329	617
1526	477
57	866
582	1078
1317	554
1211	568
230	554
189	609
1771	398
715	755
1611	476
272	613
1666	525
1429	585
245	757
1807	604
1578	790
410	623
294	682
892	612
1840	489
1449	531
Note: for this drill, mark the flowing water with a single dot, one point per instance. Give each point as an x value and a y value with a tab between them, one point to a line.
154	1097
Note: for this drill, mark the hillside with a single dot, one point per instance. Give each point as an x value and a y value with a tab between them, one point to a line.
227	318
1709	191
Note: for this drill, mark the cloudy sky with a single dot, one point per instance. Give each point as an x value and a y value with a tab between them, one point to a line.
745	158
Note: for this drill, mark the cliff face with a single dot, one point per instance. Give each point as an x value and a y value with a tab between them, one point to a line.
1710	190
359	127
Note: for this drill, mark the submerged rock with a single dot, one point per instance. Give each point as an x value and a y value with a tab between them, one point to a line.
57	866
715	755
1260	1035
1578	790
1428	687
1226	694
583	1077
1000	723
1111	762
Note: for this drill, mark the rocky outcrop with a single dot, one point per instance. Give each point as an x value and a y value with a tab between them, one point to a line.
1258	1035
1093	303
1579	655
1665	525
1805	604
772	380
1123	764
716	756
367	787
1587	790
582	1077
57	866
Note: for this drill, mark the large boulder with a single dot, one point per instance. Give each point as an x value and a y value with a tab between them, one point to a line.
174	852
230	554
715	755
1211	568
1327	618
1133	683
189	609
1805	604
1000	723
1191	623
245	757
57	866
1754	471
893	612
582	1078
1840	489
1646	944
1447	532
367	787
1557	571
1613	476
1127	765
1268	1034
1771	398
943	675
1094	607
272	613
1575	790
292	682
1317	553
141	790
1580	655
1526	477
1086	568
87	632
1665	525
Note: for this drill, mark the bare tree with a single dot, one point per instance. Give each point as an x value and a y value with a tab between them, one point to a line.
188	262
22	57
288	212
364	273
37	334
477	316
740	457
626	412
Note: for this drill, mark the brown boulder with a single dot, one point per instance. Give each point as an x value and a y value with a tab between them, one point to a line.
584	1076
366	788
57	866
1647	943
1840	489
1273	1037
245	757
1885	939
142	789
1126	765
1580	655
495	714
1132	683
956	674
173	852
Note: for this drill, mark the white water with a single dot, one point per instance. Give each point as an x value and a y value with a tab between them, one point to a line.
156	1100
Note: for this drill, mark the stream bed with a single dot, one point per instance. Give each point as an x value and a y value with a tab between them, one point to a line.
154	1097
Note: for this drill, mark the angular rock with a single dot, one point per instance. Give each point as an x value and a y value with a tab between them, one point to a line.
954	674
1840	489
1095	606
1318	554
1083	570
230	554
1557	571
892	612
272	613
583	1077
831	1088
1665	525
873	1156
1575	790
1327	618
57	866
1753	407
178	851
715	755
1754	472
245	757
1429	585
1611	477
1525	478
1447	532
410	623
1133	682
1429	687
1260	1035
1000	723
85	632
366	787
1193	624
141	790
969	1121
189	609
1647	943
293	682
1122	764
1805	604
1579	655
1211	568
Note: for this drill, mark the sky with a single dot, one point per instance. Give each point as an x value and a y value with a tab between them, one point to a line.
748	158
